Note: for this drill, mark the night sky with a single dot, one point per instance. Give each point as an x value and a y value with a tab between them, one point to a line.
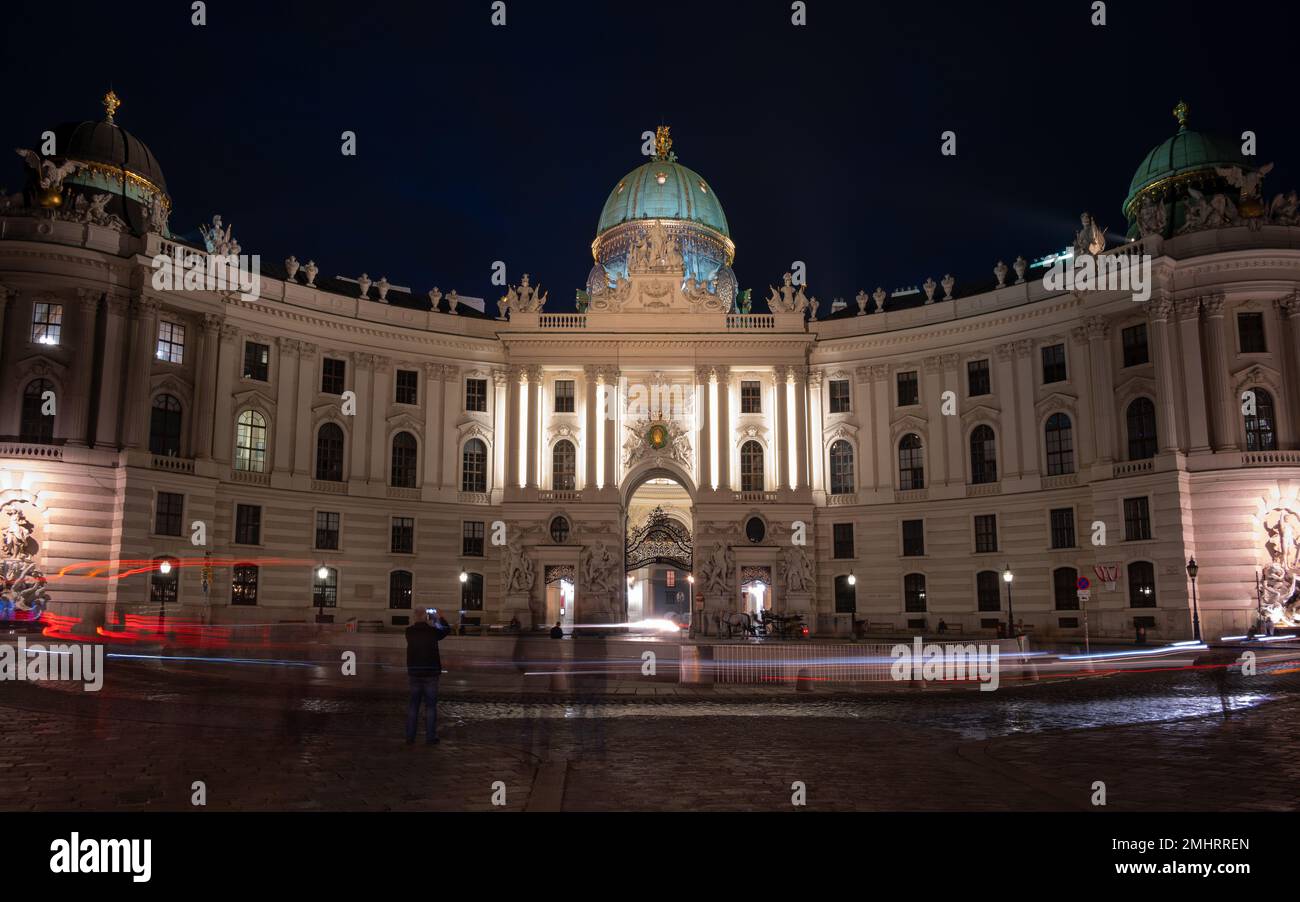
479	143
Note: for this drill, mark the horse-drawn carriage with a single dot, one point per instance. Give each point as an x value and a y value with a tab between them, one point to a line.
764	625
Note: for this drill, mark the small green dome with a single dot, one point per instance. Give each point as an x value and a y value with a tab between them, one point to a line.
663	189
1185	153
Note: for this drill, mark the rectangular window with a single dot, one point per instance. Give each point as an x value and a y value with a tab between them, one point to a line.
670	579
564	396
846	595
1062	527
476	395
167	514
909	390
243	584
840	396
332	375
327	530
403	535
248	524
1134	339
1250	328
171	342
257	361
977	378
400	590
843	540
408	387
751	397
47	323
913	538
986	533
1137	519
471	541
1053	364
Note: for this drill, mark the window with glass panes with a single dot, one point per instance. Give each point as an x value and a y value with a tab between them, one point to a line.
325	592
243	584
257	361
164	588
977	378
400	585
846	595
327	530
914	592
1137	519
564	396
171	342
1134	340
909	389
840	401
403	540
988	591
167	513
47	323
407	387
248	524
1250	329
1065	588
1142	584
842	534
471	538
913	538
1053	363
751	397
986	533
1062	527
476	395
332	375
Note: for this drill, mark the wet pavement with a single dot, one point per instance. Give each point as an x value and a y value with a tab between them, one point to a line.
1182	740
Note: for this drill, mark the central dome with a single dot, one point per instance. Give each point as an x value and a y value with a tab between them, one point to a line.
663	189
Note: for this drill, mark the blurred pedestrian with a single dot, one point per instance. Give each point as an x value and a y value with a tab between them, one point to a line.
423	668
557	631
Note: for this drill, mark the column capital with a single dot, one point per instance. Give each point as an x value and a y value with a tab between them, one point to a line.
1159	308
1188	308
119	304
1289	306
703	374
1213	304
1097	328
211	323
143	305
591	371
88	299
500	377
534	374
1079	334
383	364
363	360
307	349
289	347
1024	347
796	374
1006	351
229	331
815	378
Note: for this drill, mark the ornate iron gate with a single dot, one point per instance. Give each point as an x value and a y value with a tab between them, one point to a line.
661	539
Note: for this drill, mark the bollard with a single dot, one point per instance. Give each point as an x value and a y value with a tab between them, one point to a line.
803	682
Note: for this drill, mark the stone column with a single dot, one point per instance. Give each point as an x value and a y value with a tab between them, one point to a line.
1289	308
359	433
1085	434
1006	376
610	374
377	402
1026	417
453	403
886	459
108	420
800	425
938	452
286	402
145	335
1103	389
77	406
434	424
816	432
703	378
1192	373
499	477
534	425
784	376
515	388
591	418
1223	406
726	430
304	443
952	431
205	381
223	425
1159	309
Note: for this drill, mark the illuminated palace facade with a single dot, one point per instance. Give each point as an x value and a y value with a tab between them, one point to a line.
343	444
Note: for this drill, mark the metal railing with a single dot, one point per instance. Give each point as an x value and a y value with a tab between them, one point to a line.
787	662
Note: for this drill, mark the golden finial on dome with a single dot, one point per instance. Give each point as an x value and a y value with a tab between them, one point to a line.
1180	113
663	143
111	103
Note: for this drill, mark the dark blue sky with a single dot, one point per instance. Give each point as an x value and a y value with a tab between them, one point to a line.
479	143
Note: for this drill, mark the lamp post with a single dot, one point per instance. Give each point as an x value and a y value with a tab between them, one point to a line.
1007	577
322	574
1192	570
690	605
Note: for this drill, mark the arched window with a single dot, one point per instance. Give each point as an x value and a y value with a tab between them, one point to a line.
1261	429
751	467
473	466
1141	584
329	453
914	592
400	584
1065	588
841	468
846	595
325	592
165	427
983	455
404	456
1141	429
988	590
911	463
1060	444
471	592
564	466
164	587
36	427
250	442
560	530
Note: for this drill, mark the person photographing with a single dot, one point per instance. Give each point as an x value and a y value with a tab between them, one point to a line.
423	668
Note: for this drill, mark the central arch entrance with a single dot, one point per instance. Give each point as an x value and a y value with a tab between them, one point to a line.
658	548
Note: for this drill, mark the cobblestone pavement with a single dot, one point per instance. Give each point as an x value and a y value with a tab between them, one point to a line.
1158	741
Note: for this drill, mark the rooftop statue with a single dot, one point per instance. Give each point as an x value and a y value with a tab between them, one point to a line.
1248	182
1090	239
49	176
1152	218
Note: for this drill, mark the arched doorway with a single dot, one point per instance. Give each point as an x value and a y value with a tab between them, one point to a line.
658	548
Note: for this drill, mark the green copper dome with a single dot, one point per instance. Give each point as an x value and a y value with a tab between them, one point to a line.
663	189
1182	157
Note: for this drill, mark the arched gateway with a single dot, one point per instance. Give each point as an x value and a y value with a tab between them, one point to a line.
658	546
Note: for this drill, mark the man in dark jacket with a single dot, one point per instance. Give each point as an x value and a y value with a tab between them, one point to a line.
423	667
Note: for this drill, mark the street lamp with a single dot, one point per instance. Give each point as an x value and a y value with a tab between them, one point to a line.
1192	570
322	574
853	580
1007	577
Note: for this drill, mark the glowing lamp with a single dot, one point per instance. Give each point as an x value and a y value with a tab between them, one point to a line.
853	580
323	572
165	567
1007	575
464	577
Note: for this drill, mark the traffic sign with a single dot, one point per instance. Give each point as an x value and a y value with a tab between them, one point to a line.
1084	584
1084	596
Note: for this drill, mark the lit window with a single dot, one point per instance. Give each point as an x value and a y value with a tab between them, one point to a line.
257	361
564	396
171	342
841	468
751	467
911	463
840	402
473	473
405	452
47	323
250	442
243	584
564	466
476	395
